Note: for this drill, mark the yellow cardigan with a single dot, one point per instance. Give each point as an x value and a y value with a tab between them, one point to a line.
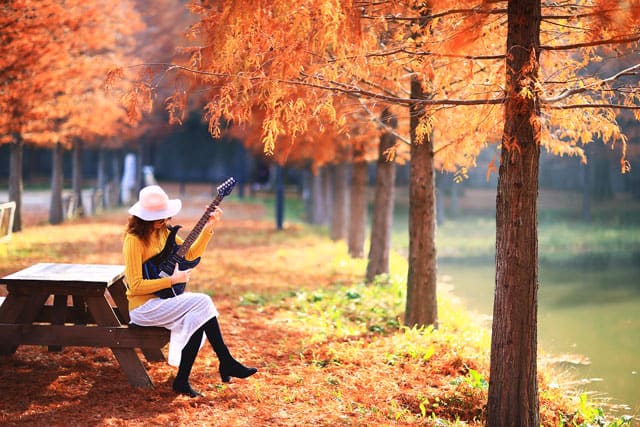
135	252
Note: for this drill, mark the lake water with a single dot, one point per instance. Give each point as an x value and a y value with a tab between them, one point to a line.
582	311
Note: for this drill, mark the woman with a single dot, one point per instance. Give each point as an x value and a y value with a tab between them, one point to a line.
190	316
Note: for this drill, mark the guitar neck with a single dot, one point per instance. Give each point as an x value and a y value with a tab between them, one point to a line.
197	229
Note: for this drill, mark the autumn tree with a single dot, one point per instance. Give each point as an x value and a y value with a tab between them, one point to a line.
51	52
446	64
382	217
551	102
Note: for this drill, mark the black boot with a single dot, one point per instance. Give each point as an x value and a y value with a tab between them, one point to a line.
229	367
233	368
189	352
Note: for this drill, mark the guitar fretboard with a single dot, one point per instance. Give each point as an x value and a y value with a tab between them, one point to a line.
197	229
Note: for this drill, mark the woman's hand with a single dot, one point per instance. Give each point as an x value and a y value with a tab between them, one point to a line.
180	276
214	217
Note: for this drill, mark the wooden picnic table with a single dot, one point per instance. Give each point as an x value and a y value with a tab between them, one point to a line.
84	305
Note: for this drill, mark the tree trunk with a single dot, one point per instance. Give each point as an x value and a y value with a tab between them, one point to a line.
383	199
513	391
15	180
601	185
317	210
327	193
454	210
358	208
586	191
115	196
279	205
56	212
77	178
441	215
101	179
139	181
421	306
340	212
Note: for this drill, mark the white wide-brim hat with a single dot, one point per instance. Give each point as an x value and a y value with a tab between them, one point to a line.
153	204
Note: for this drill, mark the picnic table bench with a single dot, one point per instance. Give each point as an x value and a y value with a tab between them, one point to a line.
84	305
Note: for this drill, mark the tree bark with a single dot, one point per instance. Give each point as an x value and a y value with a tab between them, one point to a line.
421	305
586	190
56	213
101	181
358	208
115	196
339	221
513	392
279	205
383	199
317	209
77	179
326	174
15	180
601	185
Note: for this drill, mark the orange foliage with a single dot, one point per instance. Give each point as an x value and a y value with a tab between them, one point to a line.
292	75
55	56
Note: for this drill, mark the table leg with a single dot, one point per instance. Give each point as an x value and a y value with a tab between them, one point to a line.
153	354
119	295
79	310
19	309
58	316
128	359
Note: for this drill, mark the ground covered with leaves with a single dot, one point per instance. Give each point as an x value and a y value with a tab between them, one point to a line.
330	350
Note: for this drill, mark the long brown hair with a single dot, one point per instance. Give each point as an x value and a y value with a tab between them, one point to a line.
139	227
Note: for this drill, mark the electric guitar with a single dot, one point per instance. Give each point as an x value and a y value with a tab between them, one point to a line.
164	263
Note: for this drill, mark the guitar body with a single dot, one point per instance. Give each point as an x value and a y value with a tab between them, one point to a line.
164	263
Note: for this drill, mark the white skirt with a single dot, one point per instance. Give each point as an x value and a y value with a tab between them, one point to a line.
182	315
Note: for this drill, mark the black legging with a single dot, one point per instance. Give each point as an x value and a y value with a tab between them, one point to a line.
190	350
229	367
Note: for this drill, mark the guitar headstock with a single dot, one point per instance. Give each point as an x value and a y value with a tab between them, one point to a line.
226	187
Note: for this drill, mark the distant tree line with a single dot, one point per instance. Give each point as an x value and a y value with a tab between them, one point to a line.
189	155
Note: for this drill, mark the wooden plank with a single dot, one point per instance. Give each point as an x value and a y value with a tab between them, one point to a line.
84	336
58	274
63	288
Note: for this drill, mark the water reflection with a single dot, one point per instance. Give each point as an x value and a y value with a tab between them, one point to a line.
587	309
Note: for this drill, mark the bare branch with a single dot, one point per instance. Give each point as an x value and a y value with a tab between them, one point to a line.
570	92
467	11
386	127
615	40
574	106
595	13
319	82
427	53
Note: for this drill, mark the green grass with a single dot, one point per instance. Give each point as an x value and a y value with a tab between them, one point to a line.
613	235
294	207
592	245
